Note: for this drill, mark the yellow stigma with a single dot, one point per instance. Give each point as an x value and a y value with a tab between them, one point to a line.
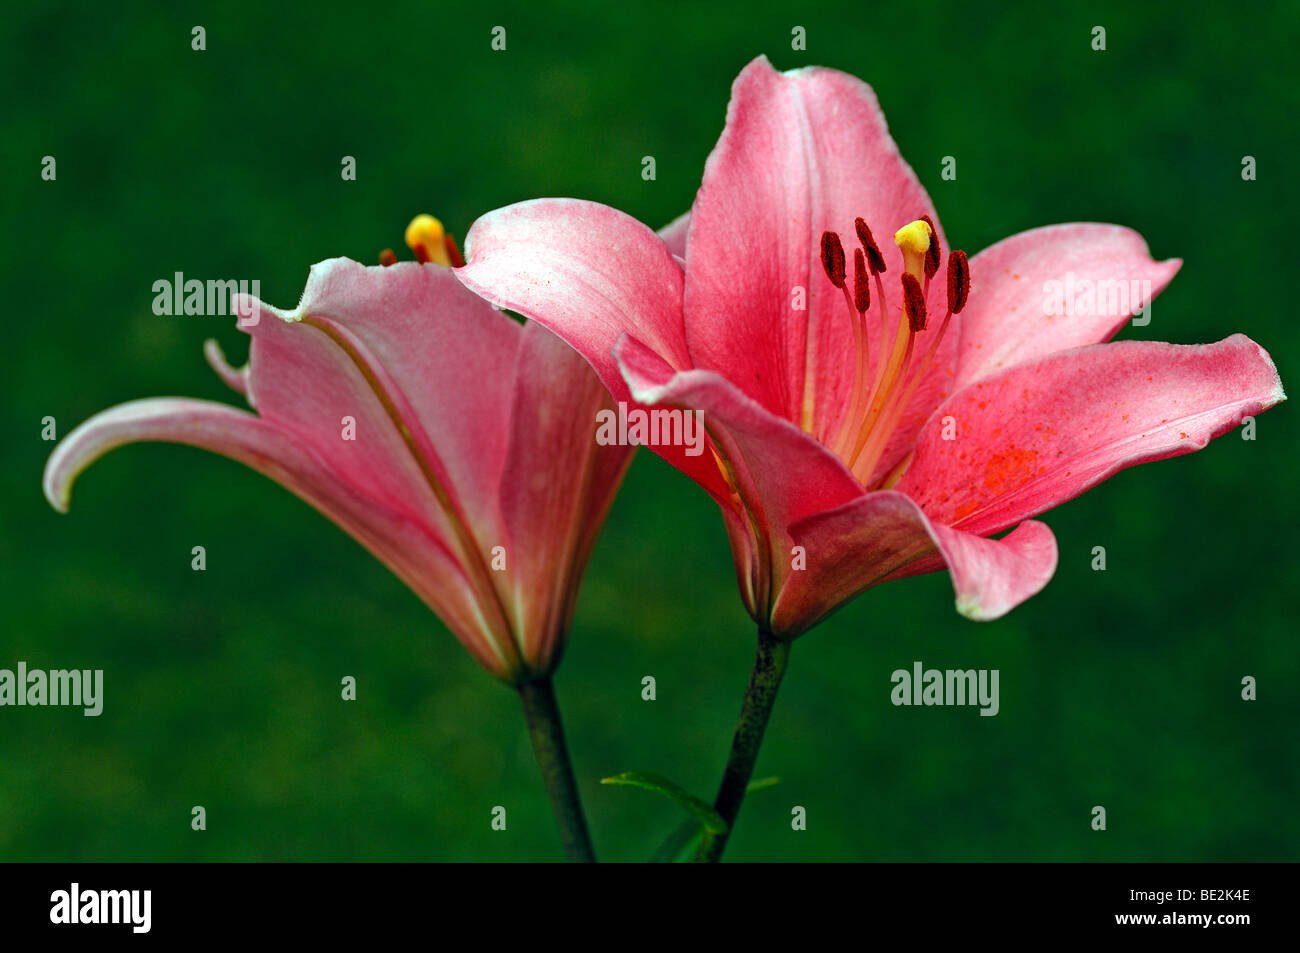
913	240
426	238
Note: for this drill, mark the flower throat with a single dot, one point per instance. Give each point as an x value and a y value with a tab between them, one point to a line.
883	387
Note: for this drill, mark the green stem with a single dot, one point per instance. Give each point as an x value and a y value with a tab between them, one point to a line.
543	717
769	667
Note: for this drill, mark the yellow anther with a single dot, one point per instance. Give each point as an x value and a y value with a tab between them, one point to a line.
913	240
426	238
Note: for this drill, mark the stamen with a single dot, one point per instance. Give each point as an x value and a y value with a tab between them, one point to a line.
874	431
833	258
875	410
887	371
861	288
931	253
862	349
914	303
876	259
453	251
958	291
387	258
425	237
886	340
888	348
832	255
958	281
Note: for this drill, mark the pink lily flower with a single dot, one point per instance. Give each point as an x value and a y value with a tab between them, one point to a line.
866	423
452	442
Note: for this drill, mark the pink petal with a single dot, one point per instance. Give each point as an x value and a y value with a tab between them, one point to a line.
1009	318
587	272
674	234
778	473
992	576
423	366
884	536
401	543
590	274
305	383
1041	433
802	152
557	487
847	550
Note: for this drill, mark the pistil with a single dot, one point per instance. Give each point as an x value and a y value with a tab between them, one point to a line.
426	237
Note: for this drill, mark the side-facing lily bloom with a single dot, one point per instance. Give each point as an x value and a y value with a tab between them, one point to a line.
454	443
879	416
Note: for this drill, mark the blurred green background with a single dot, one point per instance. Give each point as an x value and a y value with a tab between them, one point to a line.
1119	688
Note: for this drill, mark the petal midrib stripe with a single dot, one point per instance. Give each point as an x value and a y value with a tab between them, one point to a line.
466	541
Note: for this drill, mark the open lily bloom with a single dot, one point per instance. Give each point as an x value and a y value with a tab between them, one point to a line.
454	443
867	423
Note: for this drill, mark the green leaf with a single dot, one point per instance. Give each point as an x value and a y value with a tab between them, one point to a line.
703	813
681	844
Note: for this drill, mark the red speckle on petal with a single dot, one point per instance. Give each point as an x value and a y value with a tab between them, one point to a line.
1007	470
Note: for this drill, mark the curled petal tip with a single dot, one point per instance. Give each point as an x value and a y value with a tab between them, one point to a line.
1278	394
56	491
972	608
160	418
72	455
236	378
991	577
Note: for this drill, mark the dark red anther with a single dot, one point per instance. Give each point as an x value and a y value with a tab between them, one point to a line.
874	257
958	281
386	257
931	253
913	303
833	258
861	286
453	252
